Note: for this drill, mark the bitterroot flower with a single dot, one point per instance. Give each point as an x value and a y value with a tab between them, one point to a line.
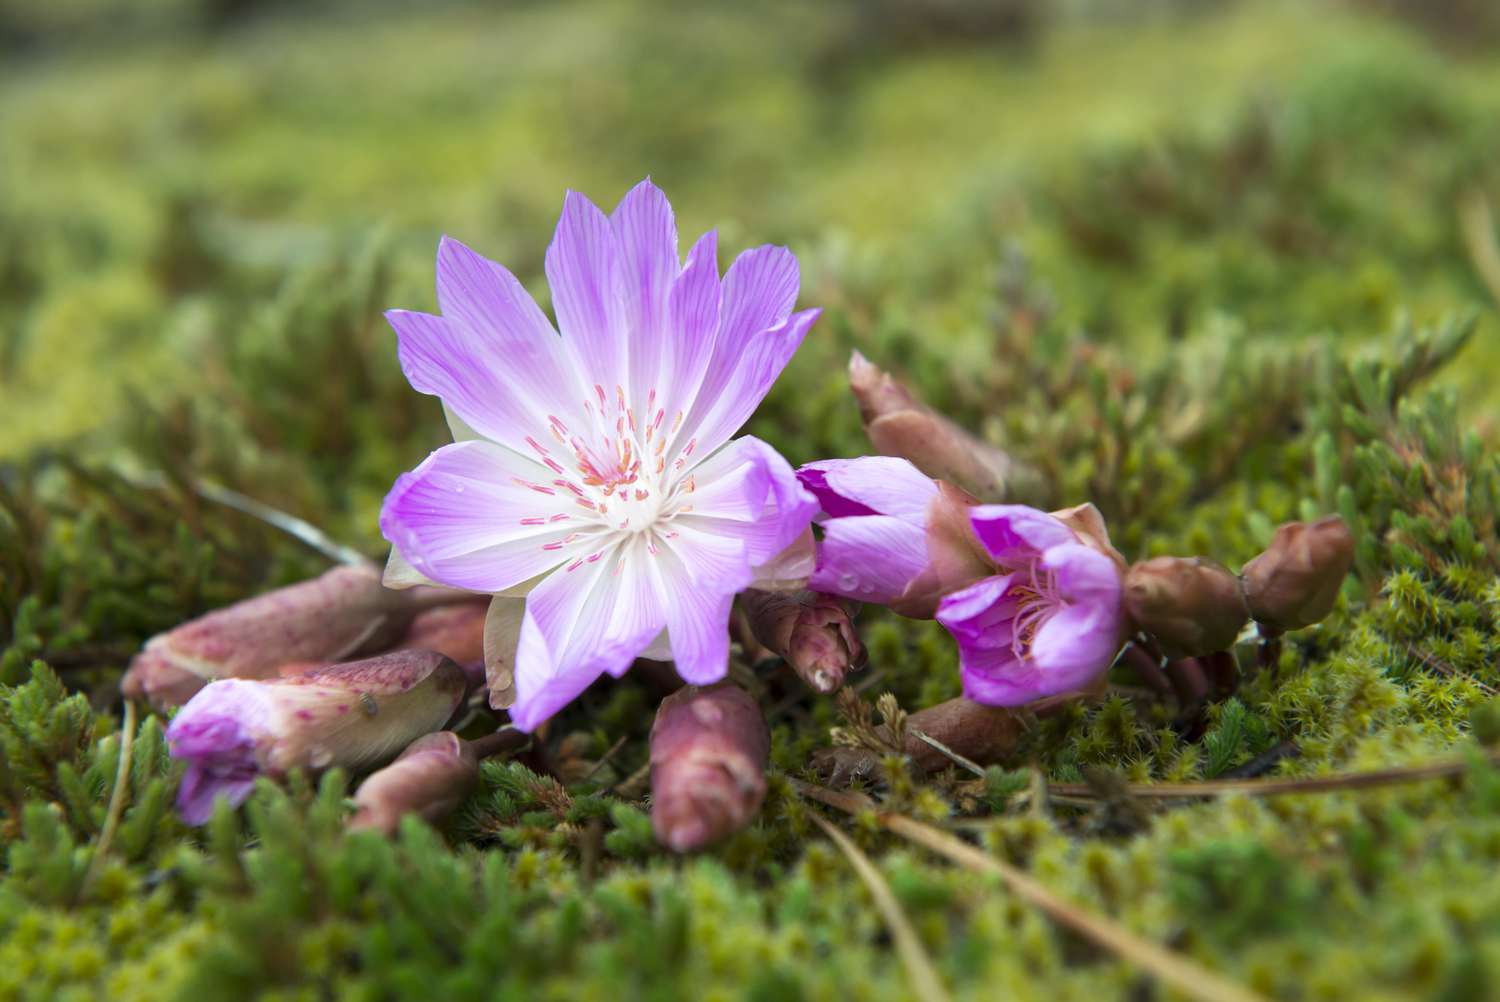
352	715
1033	599
595	470
709	748
1296	580
812	632
339	614
1052	620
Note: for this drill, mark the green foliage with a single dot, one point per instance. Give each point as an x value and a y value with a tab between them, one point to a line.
1250	305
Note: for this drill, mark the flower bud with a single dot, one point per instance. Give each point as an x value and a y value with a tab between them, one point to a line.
898	424
352	715
813	632
435	774
709	748
1295	582
341	613
1190	606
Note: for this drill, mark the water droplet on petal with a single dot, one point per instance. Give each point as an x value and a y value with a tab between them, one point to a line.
319	757
847	581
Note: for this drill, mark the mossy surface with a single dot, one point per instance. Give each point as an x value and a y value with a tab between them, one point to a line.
1206	271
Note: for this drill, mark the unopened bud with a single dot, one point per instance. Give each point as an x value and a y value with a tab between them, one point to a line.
813	632
435	774
899	424
352	715
1296	581
709	748
1190	606
339	614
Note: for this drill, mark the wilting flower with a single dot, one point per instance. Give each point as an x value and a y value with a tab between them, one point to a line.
338	614
1296	580
1034	599
597	467
352	715
813	632
709	748
434	775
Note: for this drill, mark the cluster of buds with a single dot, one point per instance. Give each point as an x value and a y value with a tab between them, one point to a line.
266	686
341	614
1191	610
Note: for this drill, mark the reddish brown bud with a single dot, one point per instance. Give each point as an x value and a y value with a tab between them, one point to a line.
813	632
339	614
709	748
899	424
430	779
1189	606
1295	582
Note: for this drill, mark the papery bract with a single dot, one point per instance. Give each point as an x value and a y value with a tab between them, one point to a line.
595	470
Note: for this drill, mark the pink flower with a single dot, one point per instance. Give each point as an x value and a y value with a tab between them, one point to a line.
594	472
1033	599
1051	622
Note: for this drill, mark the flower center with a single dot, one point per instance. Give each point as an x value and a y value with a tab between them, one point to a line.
1039	598
622	468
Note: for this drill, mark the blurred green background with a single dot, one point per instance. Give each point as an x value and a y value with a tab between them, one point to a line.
167	167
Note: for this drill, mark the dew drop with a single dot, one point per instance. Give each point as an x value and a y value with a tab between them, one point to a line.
319	757
367	703
848	581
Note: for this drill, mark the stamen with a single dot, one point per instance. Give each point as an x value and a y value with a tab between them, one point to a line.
536	487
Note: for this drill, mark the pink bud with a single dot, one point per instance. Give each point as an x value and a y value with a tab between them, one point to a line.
339	614
709	748
899	424
352	715
1190	606
813	632
1296	581
435	774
